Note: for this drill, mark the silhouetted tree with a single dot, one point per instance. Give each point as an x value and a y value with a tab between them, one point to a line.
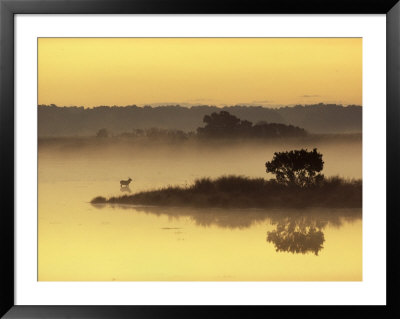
102	133
221	124
298	167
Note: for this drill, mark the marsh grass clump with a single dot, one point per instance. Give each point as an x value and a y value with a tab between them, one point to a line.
228	184
99	200
244	192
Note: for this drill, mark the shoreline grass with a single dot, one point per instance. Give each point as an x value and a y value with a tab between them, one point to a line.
243	192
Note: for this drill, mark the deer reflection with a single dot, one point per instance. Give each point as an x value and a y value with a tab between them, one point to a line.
298	234
125	189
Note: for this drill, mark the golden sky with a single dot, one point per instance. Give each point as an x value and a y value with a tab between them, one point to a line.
213	71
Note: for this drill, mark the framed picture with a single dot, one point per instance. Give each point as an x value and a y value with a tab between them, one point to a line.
159	154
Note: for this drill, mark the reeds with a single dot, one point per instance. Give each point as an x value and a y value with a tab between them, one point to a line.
244	192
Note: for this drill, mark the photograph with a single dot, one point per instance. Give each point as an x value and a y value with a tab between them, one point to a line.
199	159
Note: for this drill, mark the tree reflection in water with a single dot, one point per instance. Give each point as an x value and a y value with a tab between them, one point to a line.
298	234
297	231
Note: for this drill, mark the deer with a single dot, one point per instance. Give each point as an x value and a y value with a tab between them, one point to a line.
126	183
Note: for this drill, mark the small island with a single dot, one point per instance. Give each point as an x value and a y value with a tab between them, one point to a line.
298	184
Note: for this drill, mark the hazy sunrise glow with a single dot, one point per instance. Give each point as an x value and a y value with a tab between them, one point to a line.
213	71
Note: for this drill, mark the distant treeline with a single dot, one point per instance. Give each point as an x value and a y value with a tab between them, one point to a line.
77	121
226	125
217	125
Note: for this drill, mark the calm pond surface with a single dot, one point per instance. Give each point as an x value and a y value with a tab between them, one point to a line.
82	242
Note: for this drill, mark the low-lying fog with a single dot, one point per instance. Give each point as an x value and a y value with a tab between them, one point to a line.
157	164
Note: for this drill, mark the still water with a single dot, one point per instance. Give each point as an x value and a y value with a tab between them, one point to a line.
81	242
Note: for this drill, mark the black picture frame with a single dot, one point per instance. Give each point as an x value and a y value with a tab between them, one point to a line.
8	8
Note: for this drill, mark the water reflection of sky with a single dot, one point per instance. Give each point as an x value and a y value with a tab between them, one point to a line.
295	231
